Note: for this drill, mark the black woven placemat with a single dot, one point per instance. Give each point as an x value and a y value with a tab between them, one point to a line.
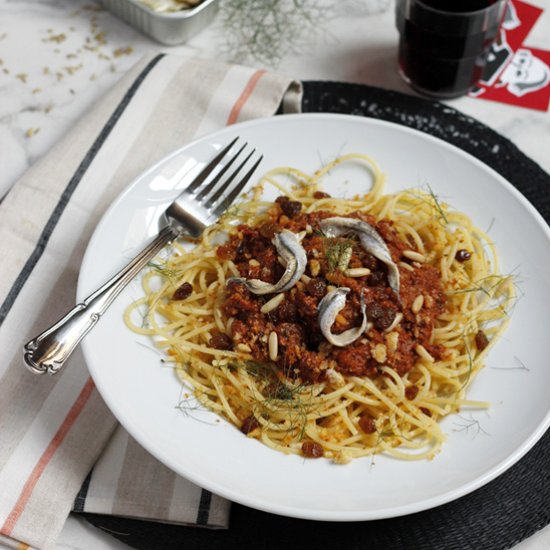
495	517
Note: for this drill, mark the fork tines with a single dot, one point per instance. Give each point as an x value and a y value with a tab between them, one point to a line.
217	194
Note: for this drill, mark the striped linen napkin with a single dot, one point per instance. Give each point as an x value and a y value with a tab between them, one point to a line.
57	437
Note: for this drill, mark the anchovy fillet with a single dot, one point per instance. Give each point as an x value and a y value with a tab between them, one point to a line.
292	252
329	307
370	239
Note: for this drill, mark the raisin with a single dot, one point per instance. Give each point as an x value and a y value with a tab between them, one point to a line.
311	449
381	317
368	260
249	424
321	195
286	312
426	411
376	278
462	255
182	292
291	208
411	392
366	423
219	340
481	340
316	287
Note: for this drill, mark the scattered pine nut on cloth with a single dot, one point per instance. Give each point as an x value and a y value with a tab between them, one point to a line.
60	447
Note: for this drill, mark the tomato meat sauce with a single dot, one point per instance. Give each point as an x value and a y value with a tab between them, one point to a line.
396	326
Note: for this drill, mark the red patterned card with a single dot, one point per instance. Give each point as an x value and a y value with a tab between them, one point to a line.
514	74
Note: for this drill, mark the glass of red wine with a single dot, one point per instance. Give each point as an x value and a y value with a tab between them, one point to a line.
443	44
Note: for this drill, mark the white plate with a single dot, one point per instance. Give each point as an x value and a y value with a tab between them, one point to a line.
215	455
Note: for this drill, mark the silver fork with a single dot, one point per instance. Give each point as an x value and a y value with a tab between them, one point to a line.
197	207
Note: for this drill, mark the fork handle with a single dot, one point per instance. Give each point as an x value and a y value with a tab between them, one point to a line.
48	352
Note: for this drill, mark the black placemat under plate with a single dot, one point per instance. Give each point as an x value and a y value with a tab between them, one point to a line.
495	517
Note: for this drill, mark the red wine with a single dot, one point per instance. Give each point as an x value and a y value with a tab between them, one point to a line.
443	53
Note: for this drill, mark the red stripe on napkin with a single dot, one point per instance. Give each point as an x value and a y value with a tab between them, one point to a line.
54	444
241	100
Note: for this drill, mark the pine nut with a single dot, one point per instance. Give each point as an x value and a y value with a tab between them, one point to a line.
357	272
273	303
273	346
340	319
414	256
406	266
314	267
417	303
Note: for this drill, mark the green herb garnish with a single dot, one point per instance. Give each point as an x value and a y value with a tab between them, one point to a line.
162	269
264	31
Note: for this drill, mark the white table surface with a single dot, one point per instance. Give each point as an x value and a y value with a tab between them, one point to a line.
47	82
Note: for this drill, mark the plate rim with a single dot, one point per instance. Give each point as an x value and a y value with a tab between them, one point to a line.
289	510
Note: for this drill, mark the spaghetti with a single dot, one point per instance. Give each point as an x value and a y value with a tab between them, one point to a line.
261	362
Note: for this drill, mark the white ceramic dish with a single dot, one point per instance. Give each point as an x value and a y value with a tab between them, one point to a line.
215	455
